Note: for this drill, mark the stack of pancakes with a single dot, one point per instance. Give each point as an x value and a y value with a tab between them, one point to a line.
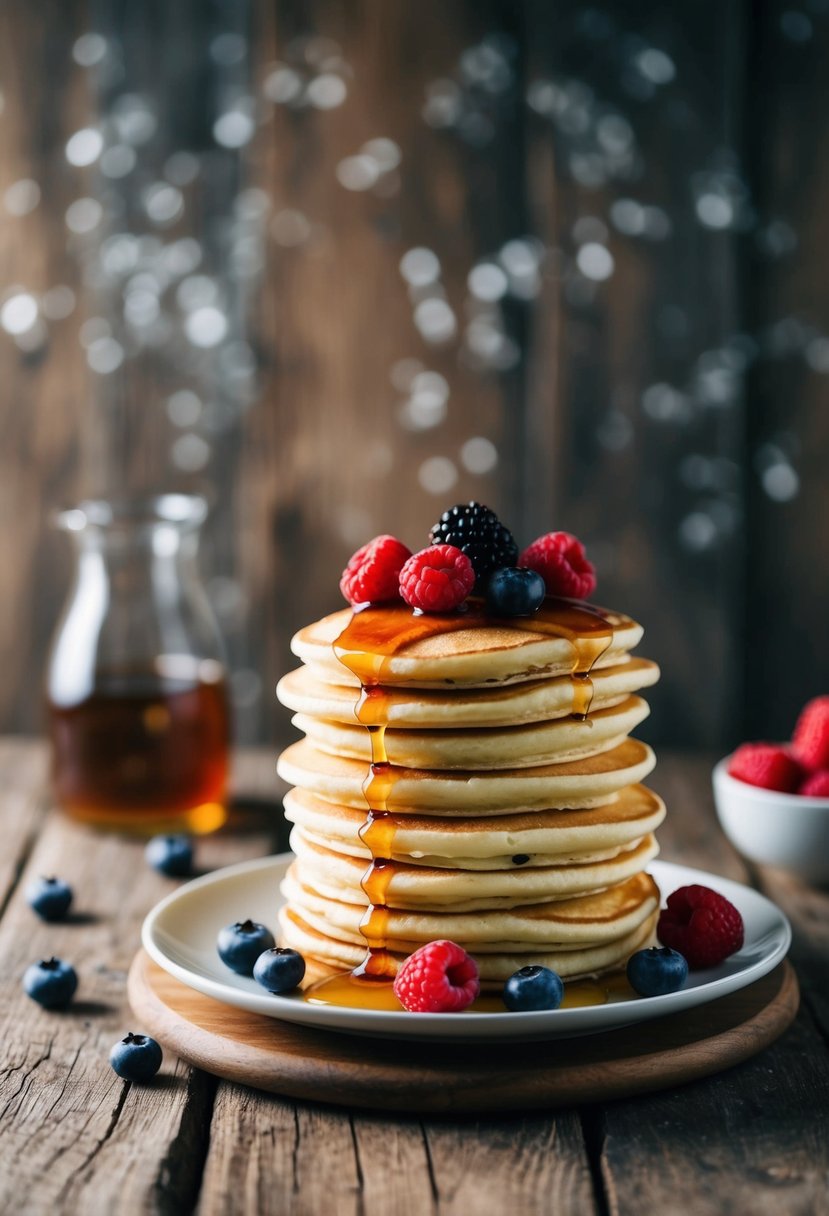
495	814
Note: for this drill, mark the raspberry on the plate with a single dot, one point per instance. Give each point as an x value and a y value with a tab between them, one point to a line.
767	765
372	575
437	579
701	924
561	561
810	741
440	977
816	785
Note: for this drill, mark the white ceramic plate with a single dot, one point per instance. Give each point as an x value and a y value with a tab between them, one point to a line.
180	935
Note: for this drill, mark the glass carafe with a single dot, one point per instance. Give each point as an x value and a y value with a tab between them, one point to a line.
137	698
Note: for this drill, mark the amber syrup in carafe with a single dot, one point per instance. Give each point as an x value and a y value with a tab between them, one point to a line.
372	636
147	750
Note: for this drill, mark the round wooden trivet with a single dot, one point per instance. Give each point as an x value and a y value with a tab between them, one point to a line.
406	1076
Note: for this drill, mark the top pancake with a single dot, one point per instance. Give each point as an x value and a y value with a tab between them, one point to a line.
481	654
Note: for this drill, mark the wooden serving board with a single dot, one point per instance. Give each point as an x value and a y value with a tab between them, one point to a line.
407	1076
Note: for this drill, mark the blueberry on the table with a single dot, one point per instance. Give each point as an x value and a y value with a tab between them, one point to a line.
514	592
279	969
170	855
49	897
136	1057
241	944
533	988
655	971
51	982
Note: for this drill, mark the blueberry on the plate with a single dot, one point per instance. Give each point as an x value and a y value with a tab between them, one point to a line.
49	897
533	988
51	983
655	971
136	1057
170	855
514	592
240	945
279	969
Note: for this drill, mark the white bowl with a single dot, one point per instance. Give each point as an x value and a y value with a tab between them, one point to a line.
775	829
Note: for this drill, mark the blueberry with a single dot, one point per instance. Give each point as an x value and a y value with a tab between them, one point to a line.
655	971
170	855
279	970
533	988
51	983
241	944
49	897
514	592
136	1057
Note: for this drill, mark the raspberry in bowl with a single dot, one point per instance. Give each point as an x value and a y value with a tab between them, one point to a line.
772	799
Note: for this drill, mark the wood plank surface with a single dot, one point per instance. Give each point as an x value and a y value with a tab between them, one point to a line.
74	1138
756	1138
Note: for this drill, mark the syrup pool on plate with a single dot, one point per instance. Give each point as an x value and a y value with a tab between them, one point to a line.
356	992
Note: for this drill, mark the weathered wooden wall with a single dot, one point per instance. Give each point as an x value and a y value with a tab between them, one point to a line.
624	414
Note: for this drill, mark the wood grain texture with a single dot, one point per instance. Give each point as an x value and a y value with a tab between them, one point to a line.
768	1110
326	464
22	780
462	1078
73	1138
787	301
270	1156
79	1123
613	469
757	1140
43	412
520	1166
321	461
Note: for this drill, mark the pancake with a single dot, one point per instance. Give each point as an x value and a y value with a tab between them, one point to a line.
309	692
545	837
494	748
572	923
475	657
586	782
482	804
336	876
494	968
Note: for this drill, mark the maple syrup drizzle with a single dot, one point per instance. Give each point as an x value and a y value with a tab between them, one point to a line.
376	634
369	640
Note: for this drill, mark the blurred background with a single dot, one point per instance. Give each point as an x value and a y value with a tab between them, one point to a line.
343	263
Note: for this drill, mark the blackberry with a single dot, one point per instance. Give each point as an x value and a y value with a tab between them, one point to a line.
479	533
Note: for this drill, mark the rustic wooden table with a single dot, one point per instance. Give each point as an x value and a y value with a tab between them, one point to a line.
74	1138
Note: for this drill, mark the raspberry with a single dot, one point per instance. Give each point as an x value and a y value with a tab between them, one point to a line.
767	765
560	560
437	579
702	925
438	978
810	741
478	532
373	573
816	785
